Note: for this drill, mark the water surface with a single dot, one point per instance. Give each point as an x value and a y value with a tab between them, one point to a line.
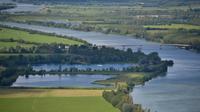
64	80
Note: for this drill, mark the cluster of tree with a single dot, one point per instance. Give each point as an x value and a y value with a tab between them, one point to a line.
75	54
152	62
15	60
87	54
122	100
9	75
102	54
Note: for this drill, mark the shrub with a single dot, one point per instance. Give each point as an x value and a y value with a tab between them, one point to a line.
127	107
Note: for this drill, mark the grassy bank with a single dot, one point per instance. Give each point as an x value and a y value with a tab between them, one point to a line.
53	100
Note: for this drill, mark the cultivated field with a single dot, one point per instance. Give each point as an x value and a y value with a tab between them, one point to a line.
53	100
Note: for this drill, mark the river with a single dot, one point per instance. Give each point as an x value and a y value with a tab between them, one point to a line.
179	91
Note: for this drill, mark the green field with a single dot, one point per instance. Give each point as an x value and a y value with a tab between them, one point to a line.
53	100
56	104
6	33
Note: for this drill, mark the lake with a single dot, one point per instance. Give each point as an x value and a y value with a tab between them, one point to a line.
179	91
64	80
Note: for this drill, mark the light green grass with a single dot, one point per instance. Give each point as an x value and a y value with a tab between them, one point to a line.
174	26
6	33
56	104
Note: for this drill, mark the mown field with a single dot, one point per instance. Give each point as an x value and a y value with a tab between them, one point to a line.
6	33
53	100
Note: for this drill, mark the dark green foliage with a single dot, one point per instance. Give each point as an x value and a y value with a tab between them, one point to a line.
8	76
84	54
127	107
102	54
120	99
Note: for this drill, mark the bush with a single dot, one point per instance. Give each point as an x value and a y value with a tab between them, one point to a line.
127	107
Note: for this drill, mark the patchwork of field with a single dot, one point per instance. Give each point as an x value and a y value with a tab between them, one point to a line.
53	100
